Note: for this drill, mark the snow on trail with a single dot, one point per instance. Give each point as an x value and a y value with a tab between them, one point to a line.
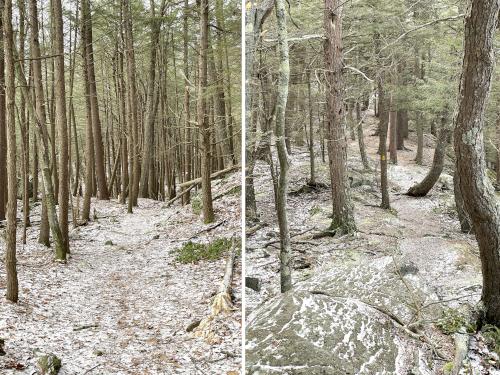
123	308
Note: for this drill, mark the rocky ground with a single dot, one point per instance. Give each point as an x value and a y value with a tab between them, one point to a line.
387	300
122	303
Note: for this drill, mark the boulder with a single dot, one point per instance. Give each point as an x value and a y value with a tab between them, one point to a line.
340	321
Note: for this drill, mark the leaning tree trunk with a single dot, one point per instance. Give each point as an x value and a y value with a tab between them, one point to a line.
10	95
281	193
478	195
421	189
343	216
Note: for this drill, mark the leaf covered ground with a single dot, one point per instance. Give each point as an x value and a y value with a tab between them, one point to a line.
123	301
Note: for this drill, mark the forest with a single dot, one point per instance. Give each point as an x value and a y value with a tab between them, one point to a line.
120	185
372	186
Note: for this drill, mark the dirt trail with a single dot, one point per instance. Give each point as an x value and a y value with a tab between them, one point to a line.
122	303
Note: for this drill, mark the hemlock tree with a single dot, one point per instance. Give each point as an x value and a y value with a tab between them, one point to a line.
343	217
477	191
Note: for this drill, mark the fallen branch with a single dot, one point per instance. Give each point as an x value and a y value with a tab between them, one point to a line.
180	195
212	227
213	176
461	349
86	326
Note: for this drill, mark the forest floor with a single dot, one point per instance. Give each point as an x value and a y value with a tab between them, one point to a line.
123	302
438	264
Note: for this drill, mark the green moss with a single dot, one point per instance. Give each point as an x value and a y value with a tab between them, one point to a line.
196	205
49	364
192	252
451	321
314	210
109	243
492	335
447	368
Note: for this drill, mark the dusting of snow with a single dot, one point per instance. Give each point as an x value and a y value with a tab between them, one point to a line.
123	308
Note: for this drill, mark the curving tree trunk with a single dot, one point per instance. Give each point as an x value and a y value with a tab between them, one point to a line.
421	189
343	216
478	195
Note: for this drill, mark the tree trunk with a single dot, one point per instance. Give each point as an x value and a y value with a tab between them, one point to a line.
62	125
38	109
383	126
343	216
478	194
133	110
3	131
421	189
361	138
420	138
312	179
102	188
10	96
393	130
203	124
281	194
147	169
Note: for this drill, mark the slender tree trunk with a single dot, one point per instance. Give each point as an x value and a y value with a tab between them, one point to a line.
343	216
282	186
102	188
186	198
133	110
312	179
497	187
62	125
479	199
361	138
3	131
10	96
203	124
393	133
383	126
420	138
147	168
38	110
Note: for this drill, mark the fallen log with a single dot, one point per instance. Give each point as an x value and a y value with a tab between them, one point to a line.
222	301
213	176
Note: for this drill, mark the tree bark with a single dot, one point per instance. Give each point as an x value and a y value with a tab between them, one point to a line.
62	125
343	216
3	130
421	189
477	192
10	96
38	109
383	126
102	188
361	138
281	194
203	123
